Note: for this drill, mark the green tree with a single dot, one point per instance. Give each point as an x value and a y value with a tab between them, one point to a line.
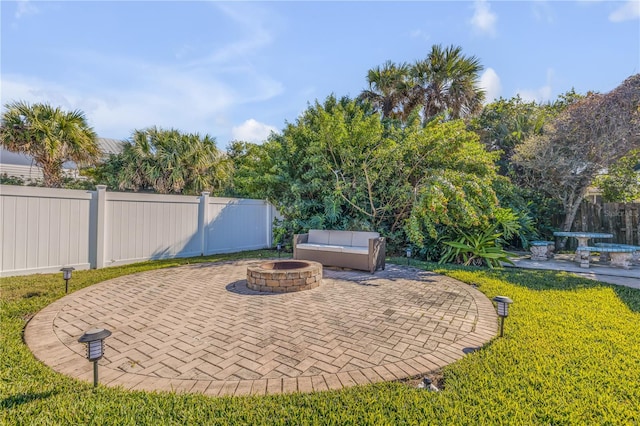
338	166
505	123
455	192
446	82
167	161
586	137
389	88
621	183
50	135
250	164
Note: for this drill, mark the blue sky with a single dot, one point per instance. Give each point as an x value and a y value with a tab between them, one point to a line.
237	70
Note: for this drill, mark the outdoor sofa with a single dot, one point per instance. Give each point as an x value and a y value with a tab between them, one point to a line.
347	249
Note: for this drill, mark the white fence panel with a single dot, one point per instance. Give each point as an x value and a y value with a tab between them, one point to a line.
148	226
238	224
43	229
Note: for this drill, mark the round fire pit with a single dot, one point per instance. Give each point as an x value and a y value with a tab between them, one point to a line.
284	276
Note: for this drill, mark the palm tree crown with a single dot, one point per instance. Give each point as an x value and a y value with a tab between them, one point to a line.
388	89
446	82
50	135
169	161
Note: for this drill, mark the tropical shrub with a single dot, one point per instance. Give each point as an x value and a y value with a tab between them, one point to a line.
482	249
621	183
50	135
340	167
166	161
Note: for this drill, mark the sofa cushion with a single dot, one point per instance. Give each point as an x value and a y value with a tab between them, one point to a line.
317	236
361	239
320	247
356	250
340	238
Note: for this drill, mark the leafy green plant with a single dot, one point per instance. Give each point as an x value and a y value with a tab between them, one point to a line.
478	250
5	179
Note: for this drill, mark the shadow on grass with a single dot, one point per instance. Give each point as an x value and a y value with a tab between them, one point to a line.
541	280
20	399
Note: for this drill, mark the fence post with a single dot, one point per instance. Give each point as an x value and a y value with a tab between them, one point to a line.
203	221
269	215
101	206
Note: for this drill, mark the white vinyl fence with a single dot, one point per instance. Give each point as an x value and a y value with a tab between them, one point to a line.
44	229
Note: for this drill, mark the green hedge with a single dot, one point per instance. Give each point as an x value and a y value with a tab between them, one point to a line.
570	355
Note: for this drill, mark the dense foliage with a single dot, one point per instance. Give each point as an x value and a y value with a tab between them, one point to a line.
50	135
166	161
505	123
567	357
621	183
340	167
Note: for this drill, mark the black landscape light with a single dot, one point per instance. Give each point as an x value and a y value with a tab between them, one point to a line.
94	339
66	275
408	253
279	248
503	303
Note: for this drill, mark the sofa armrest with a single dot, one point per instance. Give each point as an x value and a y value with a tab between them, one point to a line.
299	239
377	254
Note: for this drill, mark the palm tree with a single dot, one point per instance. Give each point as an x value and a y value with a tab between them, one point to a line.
50	135
389	87
168	161
446	82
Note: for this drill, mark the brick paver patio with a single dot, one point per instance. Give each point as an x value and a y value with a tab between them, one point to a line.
198	328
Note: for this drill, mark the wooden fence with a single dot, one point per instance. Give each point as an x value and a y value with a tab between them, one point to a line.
620	219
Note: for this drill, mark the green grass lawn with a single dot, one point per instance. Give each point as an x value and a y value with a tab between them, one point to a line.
570	355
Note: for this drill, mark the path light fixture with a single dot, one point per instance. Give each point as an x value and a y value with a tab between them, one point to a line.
427	384
66	275
279	248
408	253
503	303
94	339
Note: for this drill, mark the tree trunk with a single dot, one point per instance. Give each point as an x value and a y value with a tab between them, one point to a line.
52	175
571	212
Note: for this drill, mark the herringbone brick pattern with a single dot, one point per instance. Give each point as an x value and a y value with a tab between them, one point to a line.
199	328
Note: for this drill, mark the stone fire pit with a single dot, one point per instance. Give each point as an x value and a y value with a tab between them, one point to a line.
284	276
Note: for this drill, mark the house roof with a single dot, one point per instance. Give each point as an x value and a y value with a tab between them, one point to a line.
21	165
110	146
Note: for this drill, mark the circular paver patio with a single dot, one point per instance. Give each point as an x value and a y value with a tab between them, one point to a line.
198	328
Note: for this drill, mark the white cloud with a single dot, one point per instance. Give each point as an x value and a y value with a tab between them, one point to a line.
542	11
25	7
483	20
541	94
420	34
252	131
490	83
627	12
250	20
186	100
195	98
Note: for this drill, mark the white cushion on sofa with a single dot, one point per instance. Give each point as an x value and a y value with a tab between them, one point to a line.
355	250
317	236
340	238
361	239
320	247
